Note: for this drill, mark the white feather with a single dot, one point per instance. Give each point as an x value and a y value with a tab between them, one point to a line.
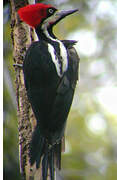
54	59
63	54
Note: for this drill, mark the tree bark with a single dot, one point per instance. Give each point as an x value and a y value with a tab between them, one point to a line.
22	36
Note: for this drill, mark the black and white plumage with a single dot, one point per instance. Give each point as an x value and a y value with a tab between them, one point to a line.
50	73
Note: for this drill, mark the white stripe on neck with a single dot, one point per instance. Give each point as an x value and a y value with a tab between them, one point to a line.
63	53
55	59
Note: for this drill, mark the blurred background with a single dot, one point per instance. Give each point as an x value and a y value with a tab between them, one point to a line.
91	133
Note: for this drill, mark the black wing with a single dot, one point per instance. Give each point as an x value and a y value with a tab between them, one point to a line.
64	97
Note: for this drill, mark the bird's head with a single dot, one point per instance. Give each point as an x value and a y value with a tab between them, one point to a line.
42	15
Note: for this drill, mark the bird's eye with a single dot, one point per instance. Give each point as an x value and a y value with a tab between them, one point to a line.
51	11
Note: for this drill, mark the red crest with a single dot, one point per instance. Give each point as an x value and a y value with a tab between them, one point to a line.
34	13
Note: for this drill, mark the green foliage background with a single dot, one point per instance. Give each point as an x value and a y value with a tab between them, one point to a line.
91	153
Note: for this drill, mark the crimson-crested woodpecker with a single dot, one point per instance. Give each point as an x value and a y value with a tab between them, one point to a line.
50	73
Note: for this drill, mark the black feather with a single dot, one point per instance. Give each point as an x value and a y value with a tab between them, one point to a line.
36	147
69	43
57	150
45	166
51	163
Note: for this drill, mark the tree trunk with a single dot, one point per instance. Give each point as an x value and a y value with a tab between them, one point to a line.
22	36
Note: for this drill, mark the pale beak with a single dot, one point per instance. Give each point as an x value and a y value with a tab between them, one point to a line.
62	14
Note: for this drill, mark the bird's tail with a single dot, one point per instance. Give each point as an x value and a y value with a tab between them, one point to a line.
49	155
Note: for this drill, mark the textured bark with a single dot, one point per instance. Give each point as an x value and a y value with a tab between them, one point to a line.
22	36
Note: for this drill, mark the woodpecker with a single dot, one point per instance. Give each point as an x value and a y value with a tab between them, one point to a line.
50	74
